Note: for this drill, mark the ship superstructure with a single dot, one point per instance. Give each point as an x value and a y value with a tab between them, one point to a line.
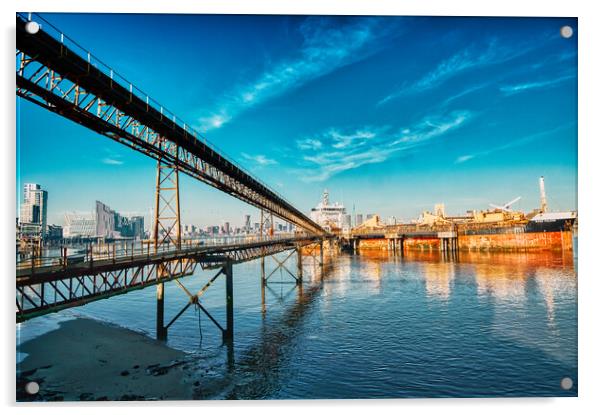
329	216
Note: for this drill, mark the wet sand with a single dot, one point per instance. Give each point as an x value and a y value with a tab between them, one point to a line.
90	360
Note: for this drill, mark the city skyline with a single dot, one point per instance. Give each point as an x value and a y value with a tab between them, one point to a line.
403	127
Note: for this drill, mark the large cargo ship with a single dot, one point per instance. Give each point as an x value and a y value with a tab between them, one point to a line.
498	229
504	229
539	222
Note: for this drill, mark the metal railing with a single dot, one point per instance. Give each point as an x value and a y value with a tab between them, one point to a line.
119	251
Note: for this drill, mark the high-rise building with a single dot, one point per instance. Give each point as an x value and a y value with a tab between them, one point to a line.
41	199
35	206
370	216
28	189
137	226
347	222
359	219
29	213
105	220
247	226
189	230
226	228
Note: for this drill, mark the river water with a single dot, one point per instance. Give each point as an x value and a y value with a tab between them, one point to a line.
373	326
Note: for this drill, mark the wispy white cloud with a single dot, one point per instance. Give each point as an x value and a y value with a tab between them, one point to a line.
472	57
517	88
350	149
357	138
309	144
327	46
513	143
259	160
557	59
112	161
464	158
431	127
465	92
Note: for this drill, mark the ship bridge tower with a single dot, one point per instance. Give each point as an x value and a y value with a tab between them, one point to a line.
542	196
325	201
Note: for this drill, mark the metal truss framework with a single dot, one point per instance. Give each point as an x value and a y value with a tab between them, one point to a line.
54	76
280	264
37	297
266	223
167	227
313	251
194	299
50	291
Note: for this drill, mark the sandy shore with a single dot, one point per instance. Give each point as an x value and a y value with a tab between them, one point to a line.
89	360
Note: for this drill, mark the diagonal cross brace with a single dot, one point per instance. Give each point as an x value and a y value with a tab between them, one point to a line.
194	299
281	265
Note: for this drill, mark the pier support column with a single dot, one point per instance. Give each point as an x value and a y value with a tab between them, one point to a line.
161	329
228	334
263	284
321	253
299	266
263	281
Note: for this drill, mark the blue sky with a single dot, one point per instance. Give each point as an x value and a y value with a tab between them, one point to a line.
391	114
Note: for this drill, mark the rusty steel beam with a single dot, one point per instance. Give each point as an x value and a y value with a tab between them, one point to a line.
60	76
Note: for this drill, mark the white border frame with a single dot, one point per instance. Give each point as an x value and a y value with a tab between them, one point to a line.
590	134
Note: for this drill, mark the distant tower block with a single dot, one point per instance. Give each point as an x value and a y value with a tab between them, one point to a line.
542	195
440	210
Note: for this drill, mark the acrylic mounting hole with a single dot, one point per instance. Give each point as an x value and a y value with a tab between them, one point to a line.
566	383
566	31
32	388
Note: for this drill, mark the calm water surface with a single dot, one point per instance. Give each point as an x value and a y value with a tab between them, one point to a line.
374	326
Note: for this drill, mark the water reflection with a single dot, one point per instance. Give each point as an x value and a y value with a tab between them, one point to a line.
377	325
503	312
438	278
257	372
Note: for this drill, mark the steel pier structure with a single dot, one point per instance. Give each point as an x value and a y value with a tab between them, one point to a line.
52	287
51	73
57	74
